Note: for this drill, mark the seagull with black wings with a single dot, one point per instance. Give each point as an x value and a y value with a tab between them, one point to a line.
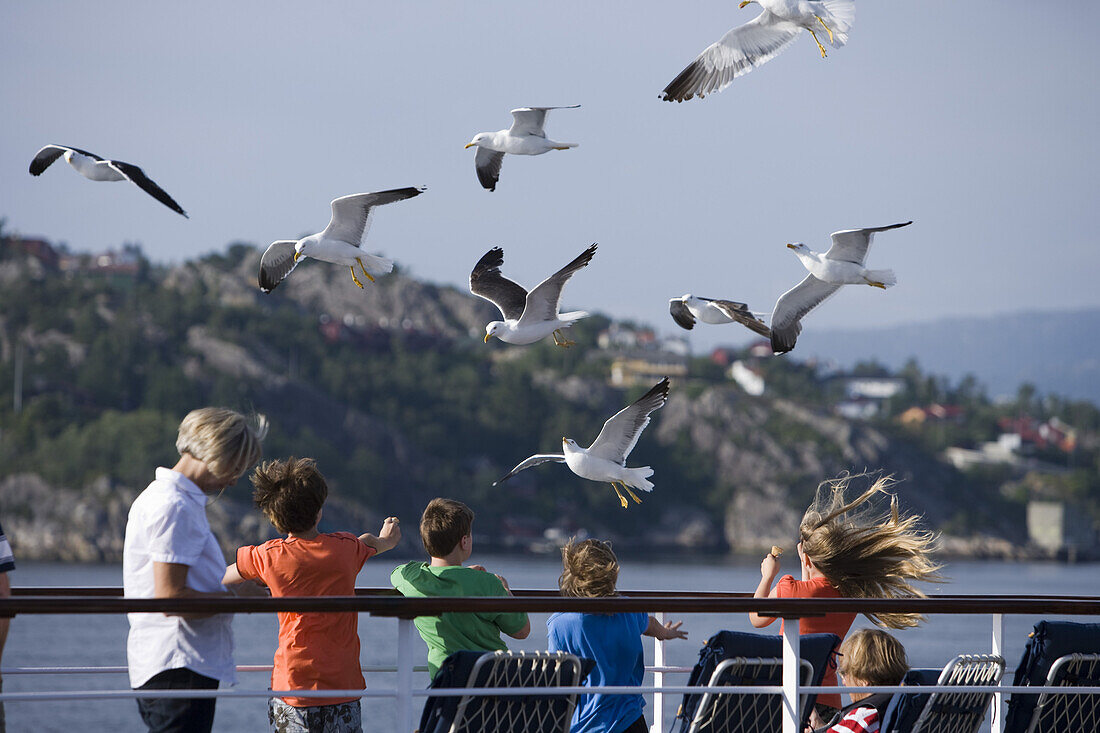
528	316
95	168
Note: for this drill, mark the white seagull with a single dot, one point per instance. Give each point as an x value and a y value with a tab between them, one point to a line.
95	168
340	243
525	137
528	317
605	459
744	48
841	265
687	308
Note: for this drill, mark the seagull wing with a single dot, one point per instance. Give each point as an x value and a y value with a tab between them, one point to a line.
278	262
44	157
545	299
681	314
737	53
851	245
792	306
487	164
530	120
351	214
741	313
620	433
532	461
487	282
145	183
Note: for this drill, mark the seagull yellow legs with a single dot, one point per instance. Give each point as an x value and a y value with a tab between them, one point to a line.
827	28
622	499
876	284
364	269
820	47
561	340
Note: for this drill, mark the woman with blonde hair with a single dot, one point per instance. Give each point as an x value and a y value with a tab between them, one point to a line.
170	552
848	549
590	570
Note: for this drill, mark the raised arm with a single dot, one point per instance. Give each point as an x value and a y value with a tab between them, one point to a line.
769	568
387	538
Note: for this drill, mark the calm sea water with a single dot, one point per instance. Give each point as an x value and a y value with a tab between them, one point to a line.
37	641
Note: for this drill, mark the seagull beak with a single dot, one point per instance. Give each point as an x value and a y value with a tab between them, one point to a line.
487	337
746	2
791	246
469	145
297	255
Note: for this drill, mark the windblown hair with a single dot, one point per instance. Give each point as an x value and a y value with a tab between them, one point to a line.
589	569
873	657
222	439
289	493
443	525
865	554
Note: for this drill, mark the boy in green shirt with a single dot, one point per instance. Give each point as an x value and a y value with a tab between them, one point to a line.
445	529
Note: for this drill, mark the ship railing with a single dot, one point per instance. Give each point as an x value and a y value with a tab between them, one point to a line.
386	603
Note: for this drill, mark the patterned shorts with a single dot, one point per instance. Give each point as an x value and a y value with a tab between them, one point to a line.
345	717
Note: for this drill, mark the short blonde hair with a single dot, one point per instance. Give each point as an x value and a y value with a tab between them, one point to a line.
589	569
874	657
222	439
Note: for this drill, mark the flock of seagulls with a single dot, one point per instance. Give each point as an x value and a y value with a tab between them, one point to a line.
531	316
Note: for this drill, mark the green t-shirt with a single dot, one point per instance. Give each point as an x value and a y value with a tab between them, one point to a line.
452	632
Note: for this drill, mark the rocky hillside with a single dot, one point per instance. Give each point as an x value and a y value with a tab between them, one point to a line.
393	391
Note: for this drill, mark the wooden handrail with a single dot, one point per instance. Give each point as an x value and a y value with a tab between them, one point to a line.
682	602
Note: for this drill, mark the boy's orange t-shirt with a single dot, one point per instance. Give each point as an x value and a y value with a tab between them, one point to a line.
830	623
317	651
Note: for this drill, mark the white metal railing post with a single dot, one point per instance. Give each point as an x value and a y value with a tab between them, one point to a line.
658	681
406	635
996	720
792	654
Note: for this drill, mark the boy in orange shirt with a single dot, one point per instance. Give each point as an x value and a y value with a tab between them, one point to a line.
317	651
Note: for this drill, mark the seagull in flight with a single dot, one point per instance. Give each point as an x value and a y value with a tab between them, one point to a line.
341	242
95	168
687	309
841	265
525	137
528	316
761	39
605	459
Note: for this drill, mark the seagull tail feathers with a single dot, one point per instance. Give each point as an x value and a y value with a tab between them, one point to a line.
636	478
843	14
573	316
886	277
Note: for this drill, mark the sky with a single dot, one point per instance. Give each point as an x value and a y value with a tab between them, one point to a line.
975	119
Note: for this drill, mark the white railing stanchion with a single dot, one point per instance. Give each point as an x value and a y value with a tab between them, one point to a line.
658	681
997	720
792	654
406	635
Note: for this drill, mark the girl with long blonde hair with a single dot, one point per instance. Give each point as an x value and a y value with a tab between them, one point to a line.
850	549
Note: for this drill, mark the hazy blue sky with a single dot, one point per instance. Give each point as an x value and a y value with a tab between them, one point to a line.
976	119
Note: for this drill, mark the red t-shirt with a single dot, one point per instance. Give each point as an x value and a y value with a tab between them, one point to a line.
830	623
317	651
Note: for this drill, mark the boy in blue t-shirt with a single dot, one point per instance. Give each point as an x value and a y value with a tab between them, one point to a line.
614	640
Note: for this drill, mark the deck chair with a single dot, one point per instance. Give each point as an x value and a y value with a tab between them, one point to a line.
1062	654
1068	713
946	712
719	713
733	658
500	713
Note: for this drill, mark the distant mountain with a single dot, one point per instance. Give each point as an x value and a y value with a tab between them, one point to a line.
1058	352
